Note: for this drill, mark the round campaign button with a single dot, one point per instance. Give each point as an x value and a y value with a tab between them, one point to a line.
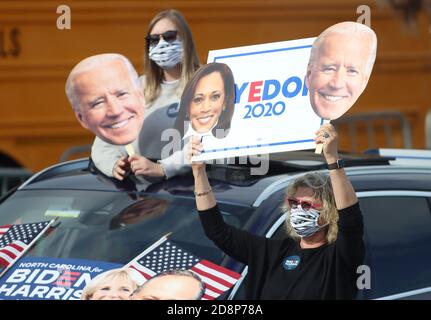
173	110
291	262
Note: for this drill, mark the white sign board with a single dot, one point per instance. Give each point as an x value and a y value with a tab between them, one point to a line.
272	107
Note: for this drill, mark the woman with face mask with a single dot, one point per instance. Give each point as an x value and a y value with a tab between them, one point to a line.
320	258
170	60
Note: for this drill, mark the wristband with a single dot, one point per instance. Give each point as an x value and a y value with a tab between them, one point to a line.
336	165
203	193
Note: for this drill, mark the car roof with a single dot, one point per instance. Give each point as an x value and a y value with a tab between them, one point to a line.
236	185
228	184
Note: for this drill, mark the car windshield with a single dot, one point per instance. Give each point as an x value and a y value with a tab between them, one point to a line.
113	226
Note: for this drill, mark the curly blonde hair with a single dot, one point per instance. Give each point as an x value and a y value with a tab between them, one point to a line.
322	190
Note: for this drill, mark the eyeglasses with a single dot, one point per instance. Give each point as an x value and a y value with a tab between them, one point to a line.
306	205
168	36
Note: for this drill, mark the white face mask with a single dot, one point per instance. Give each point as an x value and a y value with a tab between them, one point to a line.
305	222
167	54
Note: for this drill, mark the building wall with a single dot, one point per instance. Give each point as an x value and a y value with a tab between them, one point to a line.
37	123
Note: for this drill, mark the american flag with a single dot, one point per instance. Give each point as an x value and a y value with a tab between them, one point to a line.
15	239
169	256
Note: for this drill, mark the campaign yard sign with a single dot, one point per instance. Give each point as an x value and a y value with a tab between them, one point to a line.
272	108
37	278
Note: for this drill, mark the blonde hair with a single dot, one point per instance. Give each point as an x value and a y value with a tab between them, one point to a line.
348	28
322	190
124	274
190	61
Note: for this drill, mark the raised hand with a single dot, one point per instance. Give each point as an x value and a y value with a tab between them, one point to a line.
194	149
327	136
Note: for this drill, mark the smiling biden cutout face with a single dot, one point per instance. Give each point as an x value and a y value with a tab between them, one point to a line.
107	100
339	68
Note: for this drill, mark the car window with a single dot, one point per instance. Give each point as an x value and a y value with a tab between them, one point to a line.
113	226
268	217
398	237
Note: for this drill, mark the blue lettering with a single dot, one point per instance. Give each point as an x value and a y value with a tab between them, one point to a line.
304	89
268	83
290	94
239	91
271	89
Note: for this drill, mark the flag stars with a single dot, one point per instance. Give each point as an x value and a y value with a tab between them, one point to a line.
14	236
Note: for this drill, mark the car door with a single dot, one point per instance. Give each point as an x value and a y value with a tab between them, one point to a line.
397	237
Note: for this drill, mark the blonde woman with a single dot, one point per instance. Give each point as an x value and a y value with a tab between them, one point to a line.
170	59
323	215
115	284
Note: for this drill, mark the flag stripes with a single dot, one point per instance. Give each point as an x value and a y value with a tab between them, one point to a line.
165	255
16	239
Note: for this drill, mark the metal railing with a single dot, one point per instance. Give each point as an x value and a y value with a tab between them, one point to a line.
428	130
66	155
391	121
12	177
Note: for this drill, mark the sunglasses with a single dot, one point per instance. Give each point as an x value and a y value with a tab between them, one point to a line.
168	36
305	205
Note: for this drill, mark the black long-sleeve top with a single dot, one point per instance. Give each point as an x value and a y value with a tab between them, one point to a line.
281	269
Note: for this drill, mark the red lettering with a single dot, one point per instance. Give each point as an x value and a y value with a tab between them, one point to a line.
254	94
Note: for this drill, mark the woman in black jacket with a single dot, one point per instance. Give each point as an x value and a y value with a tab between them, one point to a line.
322	213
